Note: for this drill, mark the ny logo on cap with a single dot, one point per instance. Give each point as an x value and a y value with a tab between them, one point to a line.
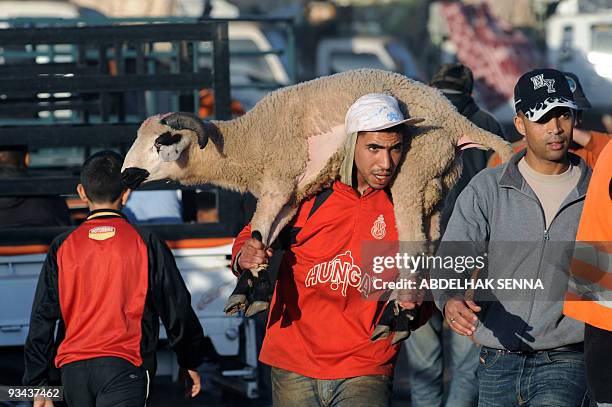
540	82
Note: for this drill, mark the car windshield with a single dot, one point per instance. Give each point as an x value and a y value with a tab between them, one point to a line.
345	61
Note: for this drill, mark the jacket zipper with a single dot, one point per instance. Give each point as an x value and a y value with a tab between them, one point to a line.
545	238
546	235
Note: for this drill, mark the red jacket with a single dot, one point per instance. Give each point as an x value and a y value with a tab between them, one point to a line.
320	323
108	284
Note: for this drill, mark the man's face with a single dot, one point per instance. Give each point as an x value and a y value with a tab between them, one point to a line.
377	154
549	138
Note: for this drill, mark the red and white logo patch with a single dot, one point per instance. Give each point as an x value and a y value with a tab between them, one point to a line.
102	232
379	229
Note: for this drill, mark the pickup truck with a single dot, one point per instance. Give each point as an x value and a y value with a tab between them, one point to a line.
105	90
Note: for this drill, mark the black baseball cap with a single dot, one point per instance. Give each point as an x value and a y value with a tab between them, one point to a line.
541	90
454	76
579	97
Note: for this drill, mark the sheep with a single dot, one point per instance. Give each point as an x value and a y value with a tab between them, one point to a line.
290	146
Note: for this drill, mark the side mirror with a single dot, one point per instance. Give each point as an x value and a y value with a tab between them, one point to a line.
566	55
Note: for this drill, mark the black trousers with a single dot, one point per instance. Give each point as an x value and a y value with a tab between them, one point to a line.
105	382
598	358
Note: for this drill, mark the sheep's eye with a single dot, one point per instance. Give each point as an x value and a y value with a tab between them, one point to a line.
167	139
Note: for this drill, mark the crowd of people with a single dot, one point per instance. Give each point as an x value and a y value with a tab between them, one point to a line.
107	282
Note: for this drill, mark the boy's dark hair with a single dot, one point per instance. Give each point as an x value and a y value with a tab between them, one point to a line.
101	176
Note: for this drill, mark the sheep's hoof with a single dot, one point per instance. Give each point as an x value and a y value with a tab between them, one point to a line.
256	307
259	269
235	303
404	323
399	336
380	332
386	322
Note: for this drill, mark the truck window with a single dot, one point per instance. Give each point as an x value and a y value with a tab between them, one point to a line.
404	61
601	38
253	67
344	61
566	43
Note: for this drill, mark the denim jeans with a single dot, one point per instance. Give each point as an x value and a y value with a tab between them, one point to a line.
292	389
598	359
426	366
547	378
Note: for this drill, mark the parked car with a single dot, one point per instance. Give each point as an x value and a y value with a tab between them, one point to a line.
342	54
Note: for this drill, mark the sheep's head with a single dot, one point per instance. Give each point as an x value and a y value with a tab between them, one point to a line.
159	150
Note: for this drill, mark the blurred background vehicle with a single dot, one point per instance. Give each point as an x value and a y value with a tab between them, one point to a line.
342	54
256	67
579	40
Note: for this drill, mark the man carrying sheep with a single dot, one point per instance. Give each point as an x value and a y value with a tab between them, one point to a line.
319	328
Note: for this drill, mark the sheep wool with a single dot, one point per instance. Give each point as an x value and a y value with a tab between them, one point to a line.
291	145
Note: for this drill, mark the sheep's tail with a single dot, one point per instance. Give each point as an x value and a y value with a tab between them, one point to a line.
489	141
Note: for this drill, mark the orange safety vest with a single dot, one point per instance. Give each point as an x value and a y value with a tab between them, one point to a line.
589	294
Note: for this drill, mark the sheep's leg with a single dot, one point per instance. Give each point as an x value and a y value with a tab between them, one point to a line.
432	224
265	281
274	194
285	216
433	195
409	194
272	211
262	287
255	287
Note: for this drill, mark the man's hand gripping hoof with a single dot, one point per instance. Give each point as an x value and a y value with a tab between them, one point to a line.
253	291
398	320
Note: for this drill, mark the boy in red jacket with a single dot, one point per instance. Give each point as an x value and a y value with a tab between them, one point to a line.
108	284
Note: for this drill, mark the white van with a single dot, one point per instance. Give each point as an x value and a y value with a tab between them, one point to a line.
37	9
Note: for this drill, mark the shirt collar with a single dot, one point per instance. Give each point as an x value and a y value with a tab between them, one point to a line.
341	186
511	176
105	213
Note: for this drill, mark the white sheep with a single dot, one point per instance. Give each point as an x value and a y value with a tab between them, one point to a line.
291	145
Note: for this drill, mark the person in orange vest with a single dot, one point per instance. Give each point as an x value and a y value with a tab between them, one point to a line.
587	144
589	291
207	105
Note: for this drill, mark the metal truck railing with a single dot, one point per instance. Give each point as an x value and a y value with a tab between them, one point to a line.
89	87
248	44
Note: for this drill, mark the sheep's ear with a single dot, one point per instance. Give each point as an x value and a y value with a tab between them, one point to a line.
212	132
202	140
170	146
